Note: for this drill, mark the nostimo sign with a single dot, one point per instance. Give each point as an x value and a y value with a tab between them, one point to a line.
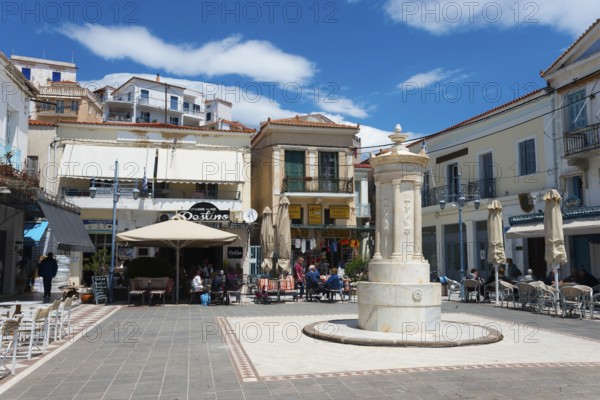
235	252
204	212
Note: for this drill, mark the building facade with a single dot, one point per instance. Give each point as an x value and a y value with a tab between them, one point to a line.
199	173
310	160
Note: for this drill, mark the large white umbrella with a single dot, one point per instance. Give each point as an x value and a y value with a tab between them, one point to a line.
284	235
267	240
177	233
495	238
555	253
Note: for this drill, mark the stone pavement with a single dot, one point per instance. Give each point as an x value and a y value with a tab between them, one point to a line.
257	352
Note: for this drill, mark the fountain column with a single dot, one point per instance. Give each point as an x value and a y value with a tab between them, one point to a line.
398	296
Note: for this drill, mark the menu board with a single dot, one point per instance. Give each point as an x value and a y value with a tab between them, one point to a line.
100	287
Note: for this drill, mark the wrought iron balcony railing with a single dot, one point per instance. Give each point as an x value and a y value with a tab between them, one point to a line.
484	188
317	185
583	139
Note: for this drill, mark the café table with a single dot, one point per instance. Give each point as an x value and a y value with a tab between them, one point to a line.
18	304
71	290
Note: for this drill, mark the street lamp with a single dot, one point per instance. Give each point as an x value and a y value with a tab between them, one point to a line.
116	194
462	201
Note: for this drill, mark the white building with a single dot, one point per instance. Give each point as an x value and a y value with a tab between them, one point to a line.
18	191
40	71
202	173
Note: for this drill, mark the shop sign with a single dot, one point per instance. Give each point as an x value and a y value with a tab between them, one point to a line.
98	225
339	212
204	211
572	202
315	214
235	252
295	211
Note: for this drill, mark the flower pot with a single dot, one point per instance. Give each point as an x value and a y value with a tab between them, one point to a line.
86	297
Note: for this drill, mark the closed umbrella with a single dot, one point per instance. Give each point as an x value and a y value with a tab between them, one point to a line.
177	233
495	238
555	253
267	240
284	235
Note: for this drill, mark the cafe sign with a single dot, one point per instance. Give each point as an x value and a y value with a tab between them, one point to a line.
235	252
314	214
205	212
339	212
295	211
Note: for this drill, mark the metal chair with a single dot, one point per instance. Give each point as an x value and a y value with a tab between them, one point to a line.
507	292
472	289
33	333
571	299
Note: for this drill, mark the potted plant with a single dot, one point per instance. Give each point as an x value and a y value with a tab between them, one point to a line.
357	269
97	264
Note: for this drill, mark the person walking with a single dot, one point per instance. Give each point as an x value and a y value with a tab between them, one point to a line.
47	269
299	275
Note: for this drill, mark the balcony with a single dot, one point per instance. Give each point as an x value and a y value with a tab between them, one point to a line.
317	185
363	211
157	103
582	140
119	118
62	91
53	111
485	188
126	189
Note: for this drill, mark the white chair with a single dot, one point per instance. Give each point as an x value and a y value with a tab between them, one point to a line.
33	333
454	287
507	292
9	339
53	319
472	289
63	325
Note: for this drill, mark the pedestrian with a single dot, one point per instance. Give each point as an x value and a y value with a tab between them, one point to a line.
513	272
299	275
47	269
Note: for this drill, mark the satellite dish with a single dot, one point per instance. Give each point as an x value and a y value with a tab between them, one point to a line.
250	215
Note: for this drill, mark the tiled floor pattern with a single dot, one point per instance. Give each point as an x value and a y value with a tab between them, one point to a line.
261	349
84	319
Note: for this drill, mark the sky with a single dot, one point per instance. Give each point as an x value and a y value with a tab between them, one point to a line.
425	65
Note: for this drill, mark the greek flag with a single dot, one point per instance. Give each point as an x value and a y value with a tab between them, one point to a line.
424	147
145	183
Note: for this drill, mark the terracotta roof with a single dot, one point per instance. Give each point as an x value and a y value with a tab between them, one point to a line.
233	124
477	117
362	165
559	59
300	121
41	123
154	125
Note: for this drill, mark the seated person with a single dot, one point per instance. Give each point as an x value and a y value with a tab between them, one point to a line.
313	282
587	279
475	275
232	283
218	283
549	279
501	276
334	281
197	282
529	277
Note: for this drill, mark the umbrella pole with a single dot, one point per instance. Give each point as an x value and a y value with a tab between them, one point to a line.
556	275
497	283
177	249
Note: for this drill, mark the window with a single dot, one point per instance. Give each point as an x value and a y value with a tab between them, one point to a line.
294	170
186	106
31	167
426	196
75	105
576	110
26	72
56	76
174	100
174	120
196	108
486	188
207	190
452	179
208	116
527	157
144	96
60	106
328	172
144	116
577	189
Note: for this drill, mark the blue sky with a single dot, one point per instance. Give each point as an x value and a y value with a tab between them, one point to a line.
424	64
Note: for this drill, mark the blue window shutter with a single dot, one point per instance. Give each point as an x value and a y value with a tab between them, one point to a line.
56	76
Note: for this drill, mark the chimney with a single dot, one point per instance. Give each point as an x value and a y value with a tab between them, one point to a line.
157	77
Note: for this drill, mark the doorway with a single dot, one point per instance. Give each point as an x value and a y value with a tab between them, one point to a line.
535	258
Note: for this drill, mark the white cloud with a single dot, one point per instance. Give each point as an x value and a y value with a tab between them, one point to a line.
256	59
445	16
342	105
424	79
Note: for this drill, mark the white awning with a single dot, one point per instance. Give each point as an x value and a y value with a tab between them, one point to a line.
178	165
570	228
